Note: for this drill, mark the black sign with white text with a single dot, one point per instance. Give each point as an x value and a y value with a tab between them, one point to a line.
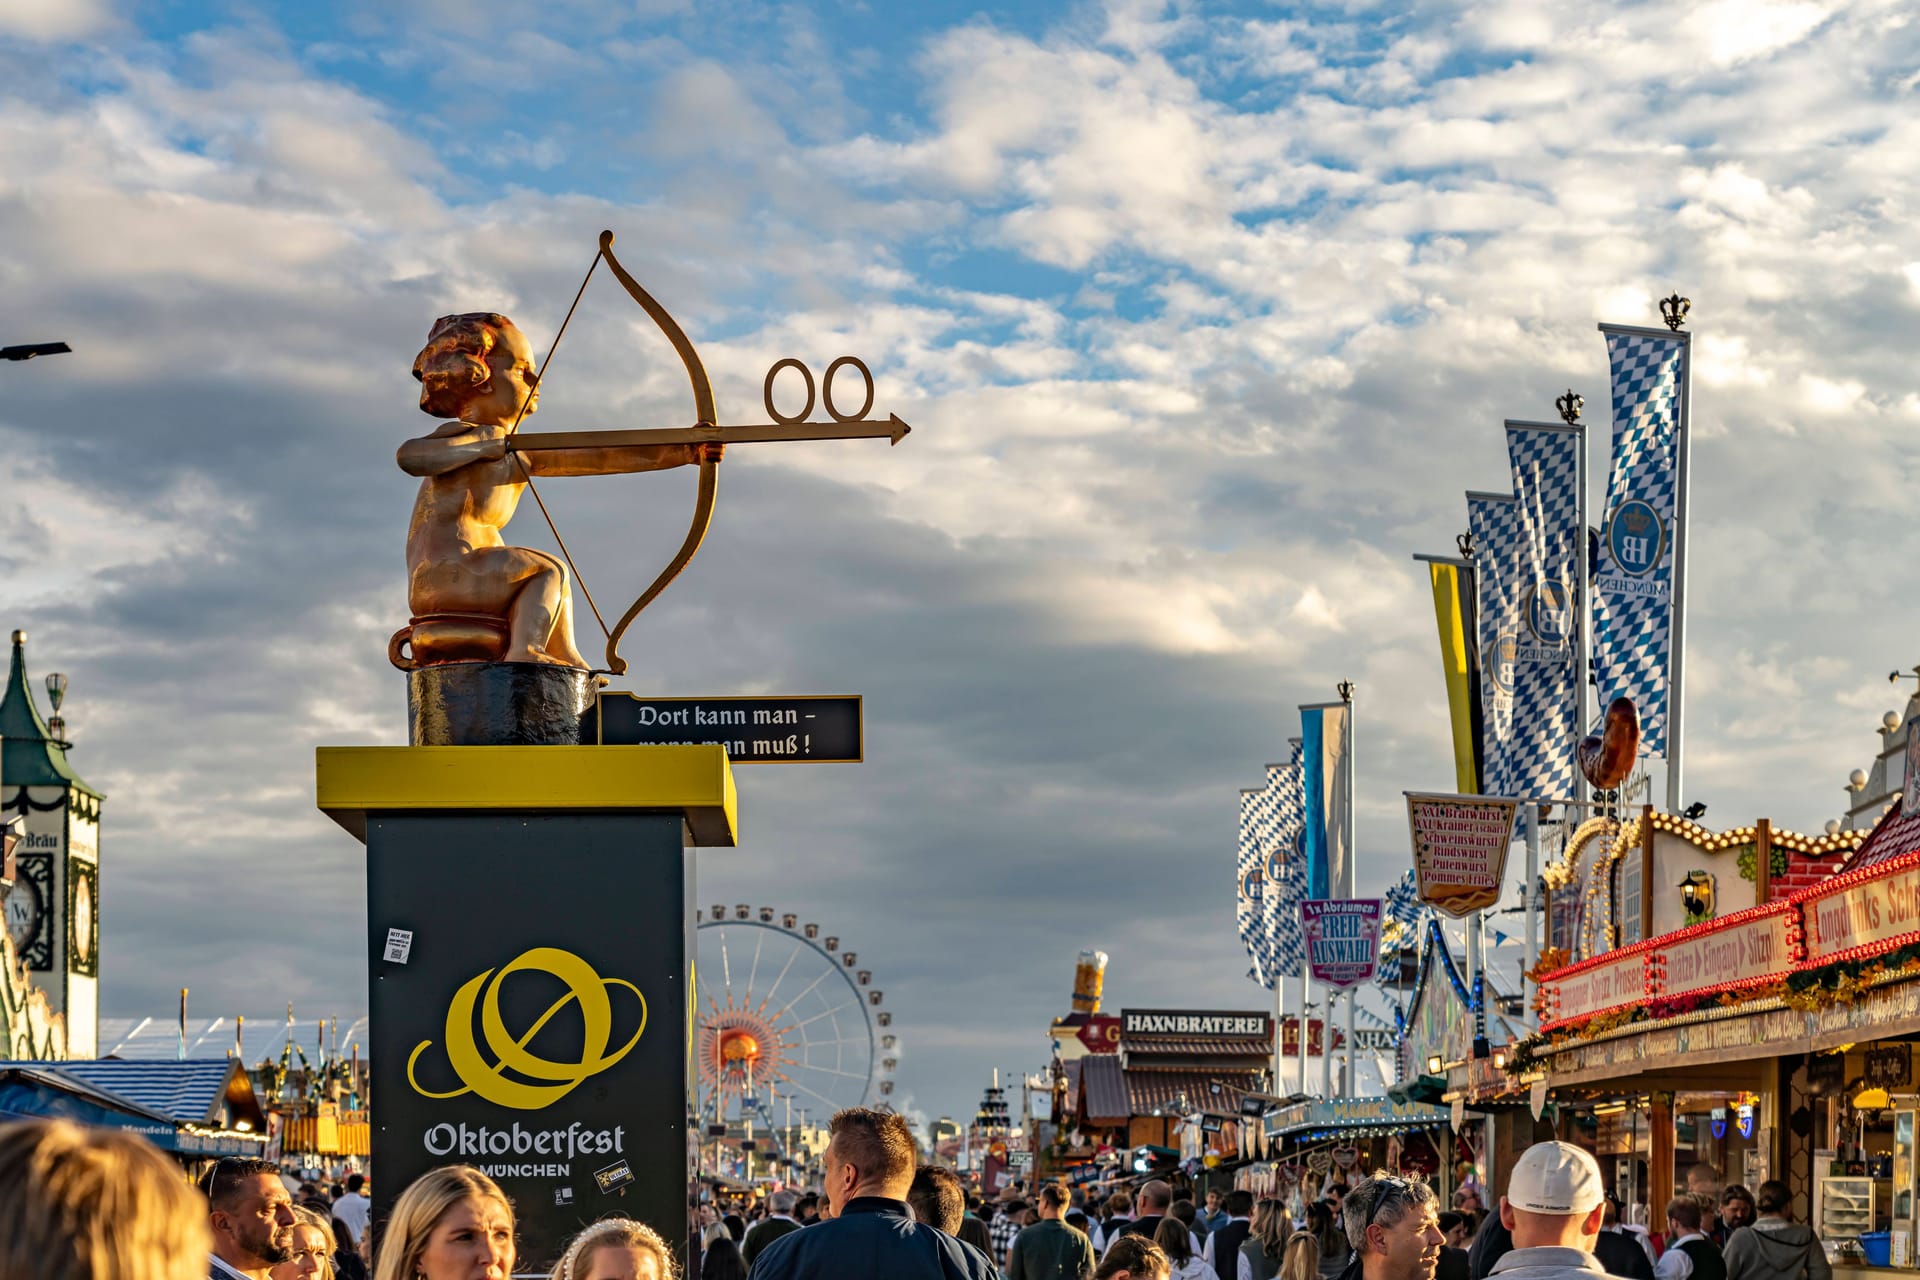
769	730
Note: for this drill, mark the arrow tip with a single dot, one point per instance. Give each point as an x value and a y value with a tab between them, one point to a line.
900	428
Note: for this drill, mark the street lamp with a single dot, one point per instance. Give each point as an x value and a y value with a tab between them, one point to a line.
28	350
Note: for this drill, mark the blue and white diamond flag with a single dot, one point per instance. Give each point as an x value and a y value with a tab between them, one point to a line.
1283	869
1248	889
1547	698
1633	587
1403	902
1493	519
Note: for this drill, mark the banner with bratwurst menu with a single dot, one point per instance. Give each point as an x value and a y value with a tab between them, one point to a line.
1460	849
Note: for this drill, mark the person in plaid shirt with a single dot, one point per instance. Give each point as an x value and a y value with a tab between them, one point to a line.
1004	1227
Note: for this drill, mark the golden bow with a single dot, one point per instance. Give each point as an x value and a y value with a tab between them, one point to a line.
705	419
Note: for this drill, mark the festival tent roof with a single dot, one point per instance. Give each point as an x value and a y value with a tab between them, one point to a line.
192	1109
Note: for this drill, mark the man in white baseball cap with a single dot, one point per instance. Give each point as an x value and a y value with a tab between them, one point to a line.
1554	1207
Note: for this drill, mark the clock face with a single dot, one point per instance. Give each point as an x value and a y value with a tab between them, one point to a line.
25	912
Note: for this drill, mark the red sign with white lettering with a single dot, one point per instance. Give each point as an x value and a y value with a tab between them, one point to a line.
1100	1033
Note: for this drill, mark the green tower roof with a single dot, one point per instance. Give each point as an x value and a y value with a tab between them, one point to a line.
29	757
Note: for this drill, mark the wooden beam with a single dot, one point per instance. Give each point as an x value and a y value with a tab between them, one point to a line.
1762	861
1660	1155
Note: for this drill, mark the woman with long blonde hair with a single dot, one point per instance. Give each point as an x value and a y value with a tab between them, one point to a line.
1266	1241
312	1248
449	1222
81	1204
1301	1261
620	1247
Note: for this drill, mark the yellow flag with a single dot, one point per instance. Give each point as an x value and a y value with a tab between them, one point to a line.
1454	611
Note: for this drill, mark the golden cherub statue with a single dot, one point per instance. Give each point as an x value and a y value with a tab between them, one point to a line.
473	597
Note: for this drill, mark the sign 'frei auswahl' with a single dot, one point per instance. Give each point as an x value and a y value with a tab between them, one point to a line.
1460	849
1342	938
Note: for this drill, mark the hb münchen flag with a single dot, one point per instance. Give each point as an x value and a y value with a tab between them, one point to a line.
1633	587
1493	519
1282	872
1248	887
1547	697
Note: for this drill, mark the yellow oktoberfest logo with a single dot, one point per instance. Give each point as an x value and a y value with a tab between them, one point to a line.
504	1081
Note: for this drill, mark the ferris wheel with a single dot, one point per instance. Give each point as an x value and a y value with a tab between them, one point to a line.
786	1019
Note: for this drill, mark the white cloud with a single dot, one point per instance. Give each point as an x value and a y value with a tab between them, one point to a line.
53	20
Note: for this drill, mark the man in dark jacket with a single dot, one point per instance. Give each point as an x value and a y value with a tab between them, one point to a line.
1690	1254
779	1222
871	1234
1151	1205
1736	1211
1222	1247
1630	1264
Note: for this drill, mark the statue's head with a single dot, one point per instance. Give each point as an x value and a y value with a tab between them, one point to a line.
476	366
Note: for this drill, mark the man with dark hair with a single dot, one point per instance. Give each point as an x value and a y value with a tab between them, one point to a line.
937	1197
1776	1247
778	1222
1050	1249
1690	1255
251	1216
869	1165
1004	1227
1736	1211
353	1209
1222	1249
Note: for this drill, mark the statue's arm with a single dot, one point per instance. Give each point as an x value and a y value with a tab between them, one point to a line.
437	454
607	462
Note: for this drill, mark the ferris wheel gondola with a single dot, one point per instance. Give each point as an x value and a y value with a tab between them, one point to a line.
789	1022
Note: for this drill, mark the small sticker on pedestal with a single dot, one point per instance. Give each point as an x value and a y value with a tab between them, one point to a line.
399	945
563	1196
613	1176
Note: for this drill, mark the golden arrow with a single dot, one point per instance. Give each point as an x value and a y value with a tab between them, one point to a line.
892	428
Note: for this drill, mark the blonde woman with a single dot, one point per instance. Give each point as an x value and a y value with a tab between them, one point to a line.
1266	1244
82	1204
1302	1258
617	1249
452	1223
311	1250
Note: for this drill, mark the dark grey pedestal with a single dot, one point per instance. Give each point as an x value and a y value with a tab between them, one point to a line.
499	704
579	919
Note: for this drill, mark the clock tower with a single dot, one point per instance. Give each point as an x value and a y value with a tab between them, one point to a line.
53	910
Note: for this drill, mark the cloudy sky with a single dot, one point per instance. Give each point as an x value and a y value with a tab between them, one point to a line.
1204	316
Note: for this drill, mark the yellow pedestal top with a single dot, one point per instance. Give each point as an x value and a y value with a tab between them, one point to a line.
694	781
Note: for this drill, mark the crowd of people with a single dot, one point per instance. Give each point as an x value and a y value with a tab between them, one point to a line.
81	1204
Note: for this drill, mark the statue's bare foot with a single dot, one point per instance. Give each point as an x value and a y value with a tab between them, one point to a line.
535	654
